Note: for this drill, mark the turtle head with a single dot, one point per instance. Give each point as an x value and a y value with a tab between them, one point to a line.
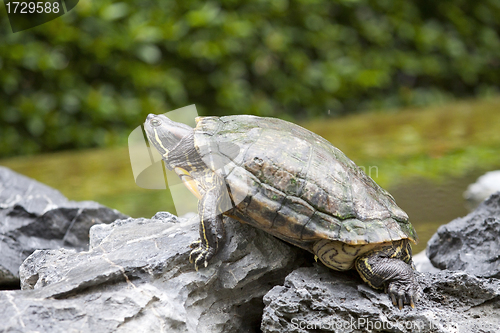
167	135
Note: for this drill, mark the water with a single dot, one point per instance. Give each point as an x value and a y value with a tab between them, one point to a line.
431	203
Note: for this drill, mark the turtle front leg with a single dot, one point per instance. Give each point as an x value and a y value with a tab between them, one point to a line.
391	268
211	228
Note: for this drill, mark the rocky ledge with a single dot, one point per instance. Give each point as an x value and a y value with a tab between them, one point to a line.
135	276
313	299
34	216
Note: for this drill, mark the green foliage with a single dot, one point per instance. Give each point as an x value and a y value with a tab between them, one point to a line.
91	76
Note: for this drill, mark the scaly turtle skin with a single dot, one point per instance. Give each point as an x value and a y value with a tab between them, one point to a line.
292	183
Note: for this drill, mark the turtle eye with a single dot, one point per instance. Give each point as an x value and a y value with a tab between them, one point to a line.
155	122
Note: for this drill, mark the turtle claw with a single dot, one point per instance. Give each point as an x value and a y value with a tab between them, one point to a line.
201	252
195	244
402	294
394	301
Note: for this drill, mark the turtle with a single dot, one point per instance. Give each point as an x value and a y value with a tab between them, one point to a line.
294	184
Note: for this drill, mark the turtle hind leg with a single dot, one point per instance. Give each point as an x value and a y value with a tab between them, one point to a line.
390	267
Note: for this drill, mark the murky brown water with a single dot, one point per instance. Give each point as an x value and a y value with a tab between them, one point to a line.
430	204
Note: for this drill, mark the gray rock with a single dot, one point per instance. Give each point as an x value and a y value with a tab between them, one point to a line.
470	243
484	186
315	299
136	277
34	216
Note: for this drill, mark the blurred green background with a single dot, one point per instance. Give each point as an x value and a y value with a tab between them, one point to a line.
408	87
87	78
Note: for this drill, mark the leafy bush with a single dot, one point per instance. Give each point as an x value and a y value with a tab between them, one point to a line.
90	77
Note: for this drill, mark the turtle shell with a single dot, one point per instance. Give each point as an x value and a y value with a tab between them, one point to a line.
296	185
